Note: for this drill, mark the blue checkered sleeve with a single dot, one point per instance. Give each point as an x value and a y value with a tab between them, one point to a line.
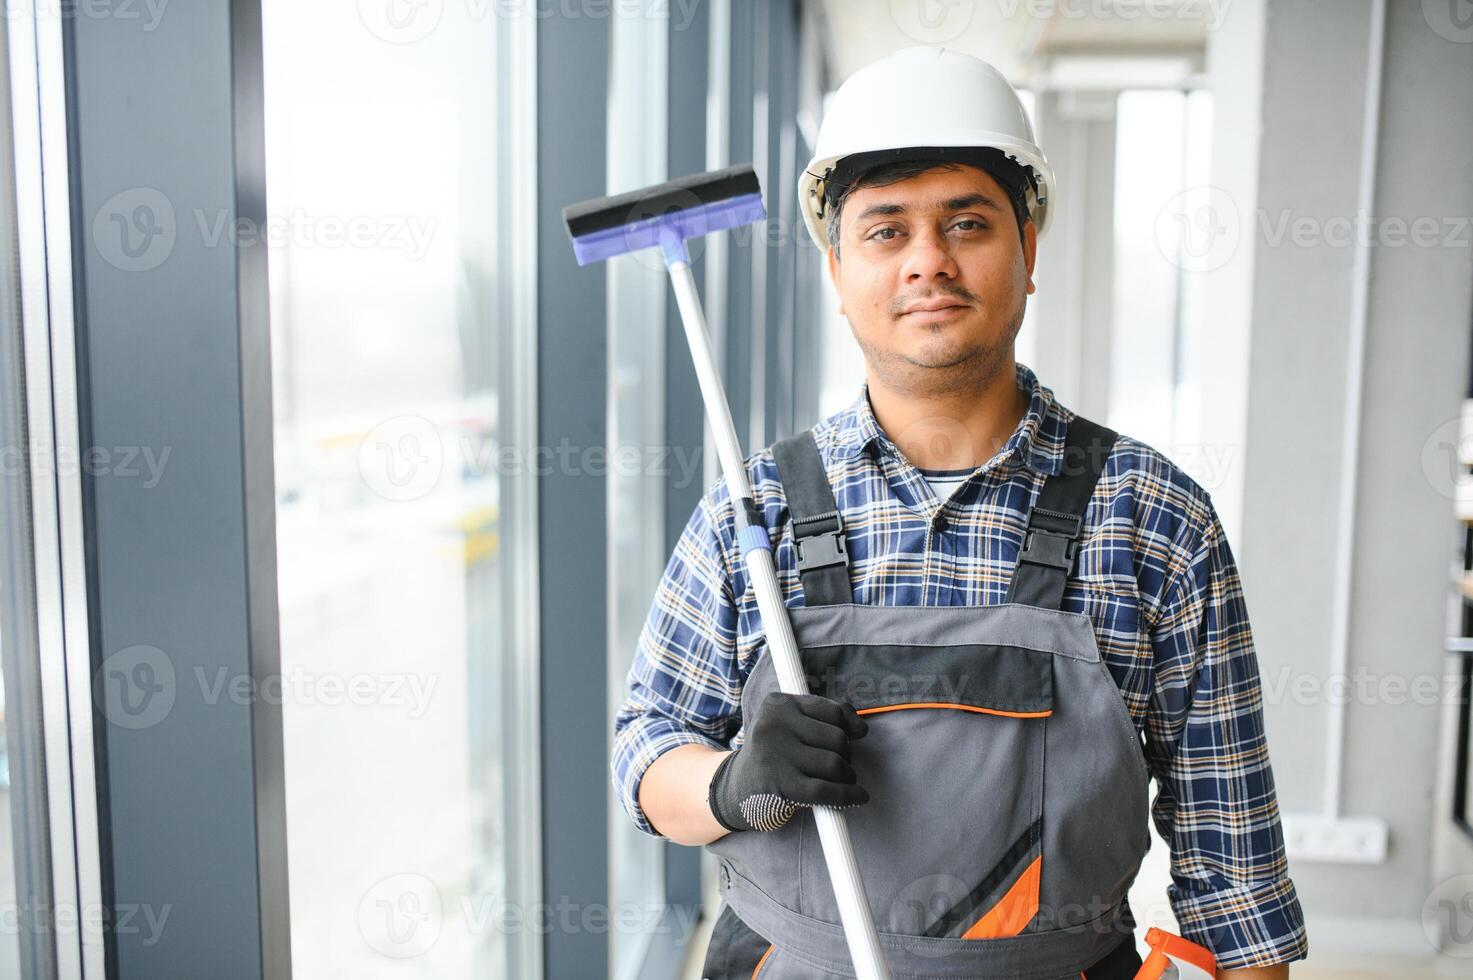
683	686
1216	804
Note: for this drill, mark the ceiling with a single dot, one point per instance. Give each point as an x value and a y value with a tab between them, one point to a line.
1043	43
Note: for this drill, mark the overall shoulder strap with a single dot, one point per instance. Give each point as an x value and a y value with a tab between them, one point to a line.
818	530
1056	521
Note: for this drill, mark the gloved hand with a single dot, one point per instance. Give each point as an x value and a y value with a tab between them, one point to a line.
796	753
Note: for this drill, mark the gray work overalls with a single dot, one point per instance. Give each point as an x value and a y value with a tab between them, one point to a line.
1008	787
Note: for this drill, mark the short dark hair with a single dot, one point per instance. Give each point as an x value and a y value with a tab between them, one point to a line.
880	176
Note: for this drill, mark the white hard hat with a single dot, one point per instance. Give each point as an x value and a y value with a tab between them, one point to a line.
924	98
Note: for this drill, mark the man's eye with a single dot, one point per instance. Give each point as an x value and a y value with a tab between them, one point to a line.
970	221
876	235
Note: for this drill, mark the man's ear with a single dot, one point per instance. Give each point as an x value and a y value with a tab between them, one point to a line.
1030	249
834	277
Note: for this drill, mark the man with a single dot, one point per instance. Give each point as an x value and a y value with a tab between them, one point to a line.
994	599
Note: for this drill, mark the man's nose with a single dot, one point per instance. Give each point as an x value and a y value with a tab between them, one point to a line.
927	256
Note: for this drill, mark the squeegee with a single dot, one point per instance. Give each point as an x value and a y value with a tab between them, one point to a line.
666	216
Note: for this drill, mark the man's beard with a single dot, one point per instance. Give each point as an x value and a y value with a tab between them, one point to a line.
971	369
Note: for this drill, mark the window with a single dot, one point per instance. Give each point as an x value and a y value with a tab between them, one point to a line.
1163	209
637	289
397	338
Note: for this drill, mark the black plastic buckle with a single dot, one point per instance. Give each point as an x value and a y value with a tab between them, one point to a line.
823	548
1056	549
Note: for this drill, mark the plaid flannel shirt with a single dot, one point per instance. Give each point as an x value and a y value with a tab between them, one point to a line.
1154	573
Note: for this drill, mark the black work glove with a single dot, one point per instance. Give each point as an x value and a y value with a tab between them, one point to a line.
796	753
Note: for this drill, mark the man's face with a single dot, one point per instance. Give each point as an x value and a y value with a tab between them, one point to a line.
942	238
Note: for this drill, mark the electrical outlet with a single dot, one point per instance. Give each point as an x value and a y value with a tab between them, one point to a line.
1348	840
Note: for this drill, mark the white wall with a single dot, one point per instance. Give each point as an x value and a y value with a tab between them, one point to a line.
1309	126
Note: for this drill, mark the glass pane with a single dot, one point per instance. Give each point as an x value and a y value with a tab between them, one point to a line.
638	287
1162	203
26	948
389	290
